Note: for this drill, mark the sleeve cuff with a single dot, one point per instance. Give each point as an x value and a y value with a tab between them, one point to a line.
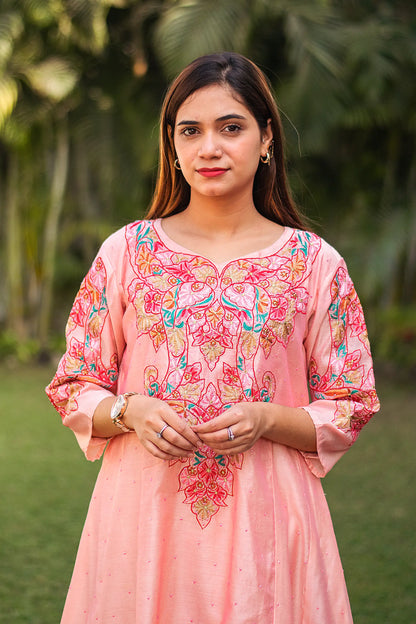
81	422
331	442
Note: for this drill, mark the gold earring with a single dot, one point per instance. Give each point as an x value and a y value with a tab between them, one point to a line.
177	165
266	159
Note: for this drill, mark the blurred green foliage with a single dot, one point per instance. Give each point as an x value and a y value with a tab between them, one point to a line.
81	85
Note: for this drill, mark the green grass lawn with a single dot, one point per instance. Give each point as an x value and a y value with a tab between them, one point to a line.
46	485
372	496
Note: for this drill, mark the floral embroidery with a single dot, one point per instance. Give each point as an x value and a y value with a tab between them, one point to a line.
346	373
213	335
207	481
83	360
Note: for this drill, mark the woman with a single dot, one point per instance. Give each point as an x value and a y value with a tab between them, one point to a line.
219	352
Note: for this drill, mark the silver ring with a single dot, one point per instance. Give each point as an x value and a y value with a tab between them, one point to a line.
160	433
231	436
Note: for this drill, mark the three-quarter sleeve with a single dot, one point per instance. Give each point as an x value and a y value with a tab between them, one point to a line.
341	376
88	371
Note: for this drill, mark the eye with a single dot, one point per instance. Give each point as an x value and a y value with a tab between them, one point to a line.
232	128
189	131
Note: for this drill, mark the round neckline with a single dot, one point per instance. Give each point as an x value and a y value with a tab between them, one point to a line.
271	249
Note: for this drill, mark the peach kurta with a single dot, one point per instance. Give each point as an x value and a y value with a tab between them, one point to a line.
213	539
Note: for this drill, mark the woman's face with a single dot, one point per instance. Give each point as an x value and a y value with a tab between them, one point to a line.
219	143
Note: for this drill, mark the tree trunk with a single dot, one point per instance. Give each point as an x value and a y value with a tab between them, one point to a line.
58	186
410	265
390	171
13	247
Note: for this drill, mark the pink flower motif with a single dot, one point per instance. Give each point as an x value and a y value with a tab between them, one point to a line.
279	308
90	294
192	373
76	350
230	375
194	491
217	494
208	471
283	273
301	297
201	335
241	295
152	302
211	403
190	294
185	271
356	316
206	334
81	307
258	273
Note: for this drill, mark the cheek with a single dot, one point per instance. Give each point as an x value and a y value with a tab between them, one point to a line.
249	155
183	152
177	143
251	147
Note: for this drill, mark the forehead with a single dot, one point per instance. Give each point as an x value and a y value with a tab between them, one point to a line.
212	102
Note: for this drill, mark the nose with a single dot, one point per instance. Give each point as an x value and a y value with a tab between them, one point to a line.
209	146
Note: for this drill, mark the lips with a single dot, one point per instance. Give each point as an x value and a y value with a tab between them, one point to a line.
211	173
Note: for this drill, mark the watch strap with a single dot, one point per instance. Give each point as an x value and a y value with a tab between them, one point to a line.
118	418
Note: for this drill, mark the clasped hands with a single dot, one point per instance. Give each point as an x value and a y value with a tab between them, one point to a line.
234	431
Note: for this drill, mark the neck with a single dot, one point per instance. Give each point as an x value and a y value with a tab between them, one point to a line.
220	215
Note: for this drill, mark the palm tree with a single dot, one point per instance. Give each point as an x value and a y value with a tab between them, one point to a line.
80	91
40	67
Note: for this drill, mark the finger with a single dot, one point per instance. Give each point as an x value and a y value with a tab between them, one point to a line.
224	445
156	451
219	423
172	441
217	440
223	437
236	450
160	413
161	454
180	433
228	449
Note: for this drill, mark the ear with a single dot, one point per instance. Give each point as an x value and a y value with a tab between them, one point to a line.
267	136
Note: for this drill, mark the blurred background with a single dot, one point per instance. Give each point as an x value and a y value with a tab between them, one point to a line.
81	84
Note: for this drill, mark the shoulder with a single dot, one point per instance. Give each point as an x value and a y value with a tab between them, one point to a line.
125	238
315	247
317	260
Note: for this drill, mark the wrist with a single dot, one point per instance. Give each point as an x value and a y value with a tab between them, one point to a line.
119	409
136	406
267	418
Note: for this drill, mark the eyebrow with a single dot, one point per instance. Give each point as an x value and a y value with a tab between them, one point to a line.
223	118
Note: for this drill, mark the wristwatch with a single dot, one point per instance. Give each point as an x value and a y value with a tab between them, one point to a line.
118	410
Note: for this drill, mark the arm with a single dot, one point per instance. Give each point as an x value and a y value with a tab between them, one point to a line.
341	375
291	426
88	372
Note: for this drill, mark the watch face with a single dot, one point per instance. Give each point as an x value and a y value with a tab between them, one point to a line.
116	409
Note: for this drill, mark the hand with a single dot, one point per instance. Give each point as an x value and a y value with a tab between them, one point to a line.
148	416
245	421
